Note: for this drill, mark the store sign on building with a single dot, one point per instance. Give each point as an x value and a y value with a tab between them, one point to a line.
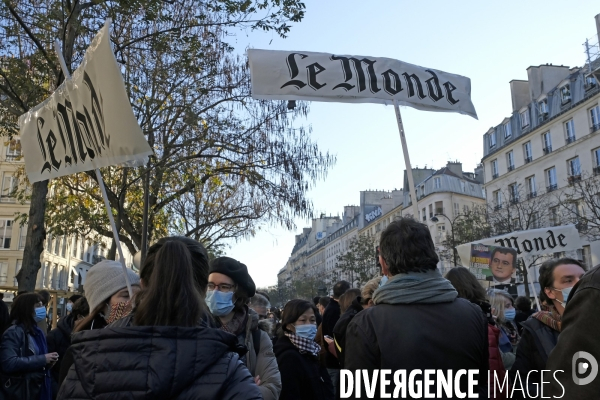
372	213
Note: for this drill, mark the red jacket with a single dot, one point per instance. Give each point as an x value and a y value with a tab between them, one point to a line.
495	362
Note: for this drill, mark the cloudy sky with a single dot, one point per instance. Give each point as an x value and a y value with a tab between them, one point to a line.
489	42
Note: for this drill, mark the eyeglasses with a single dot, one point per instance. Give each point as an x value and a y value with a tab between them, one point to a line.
223	287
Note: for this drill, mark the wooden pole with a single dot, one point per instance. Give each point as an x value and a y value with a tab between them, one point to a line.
411	182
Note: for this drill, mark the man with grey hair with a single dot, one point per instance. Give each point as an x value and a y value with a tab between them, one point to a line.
261	305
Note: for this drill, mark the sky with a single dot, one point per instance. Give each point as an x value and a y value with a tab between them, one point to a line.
492	43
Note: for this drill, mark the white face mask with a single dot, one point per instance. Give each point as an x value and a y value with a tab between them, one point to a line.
565	292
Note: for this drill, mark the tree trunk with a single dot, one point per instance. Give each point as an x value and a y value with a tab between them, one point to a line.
36	236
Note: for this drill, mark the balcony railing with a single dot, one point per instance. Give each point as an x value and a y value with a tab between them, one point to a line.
551	187
511	167
595	128
514	199
571	139
498	207
547	150
494	175
528	160
581	226
574	179
531	195
597	170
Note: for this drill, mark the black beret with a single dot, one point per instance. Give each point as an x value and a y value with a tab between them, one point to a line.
236	271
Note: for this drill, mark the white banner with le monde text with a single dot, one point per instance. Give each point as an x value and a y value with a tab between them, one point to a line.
304	75
87	123
533	242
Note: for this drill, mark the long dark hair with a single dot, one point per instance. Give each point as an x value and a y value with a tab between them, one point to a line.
292	311
23	309
199	257
94	319
466	284
170	296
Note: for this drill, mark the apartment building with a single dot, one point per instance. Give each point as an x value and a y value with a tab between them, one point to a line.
65	260
550	142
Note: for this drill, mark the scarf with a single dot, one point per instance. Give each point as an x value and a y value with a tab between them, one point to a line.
416	287
549	317
237	325
304	345
40	342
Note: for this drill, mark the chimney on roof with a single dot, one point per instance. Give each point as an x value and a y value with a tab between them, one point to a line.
455	167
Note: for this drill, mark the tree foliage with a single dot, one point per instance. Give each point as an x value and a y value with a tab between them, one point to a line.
359	262
223	163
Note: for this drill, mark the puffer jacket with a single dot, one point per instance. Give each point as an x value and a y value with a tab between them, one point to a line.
157	362
264	364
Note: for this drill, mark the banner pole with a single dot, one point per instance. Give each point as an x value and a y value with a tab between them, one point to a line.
535	295
411	183
63	66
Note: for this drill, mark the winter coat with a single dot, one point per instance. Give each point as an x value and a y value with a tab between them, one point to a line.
446	335
339	331
18	355
533	350
157	362
301	376
264	364
59	340
495	360
330	318
4	317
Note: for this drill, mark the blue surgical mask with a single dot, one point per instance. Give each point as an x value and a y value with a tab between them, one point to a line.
565	292
40	314
306	331
69	307
509	314
219	303
383	280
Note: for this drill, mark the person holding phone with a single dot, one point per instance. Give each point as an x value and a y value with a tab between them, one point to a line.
24	353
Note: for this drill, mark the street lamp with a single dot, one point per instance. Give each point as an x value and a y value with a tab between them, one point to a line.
435	219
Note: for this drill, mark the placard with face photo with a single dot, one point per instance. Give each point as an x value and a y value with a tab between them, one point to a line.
495	264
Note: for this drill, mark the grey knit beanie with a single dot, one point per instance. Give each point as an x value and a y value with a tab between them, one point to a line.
105	279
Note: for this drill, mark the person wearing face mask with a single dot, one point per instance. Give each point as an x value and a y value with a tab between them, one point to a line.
503	312
59	338
541	331
72	301
229	289
297	355
24	353
108	299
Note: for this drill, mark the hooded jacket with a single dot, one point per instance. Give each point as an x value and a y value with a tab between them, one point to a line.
152	362
418	323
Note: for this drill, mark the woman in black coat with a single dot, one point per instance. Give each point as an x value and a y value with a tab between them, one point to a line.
165	352
301	376
24	352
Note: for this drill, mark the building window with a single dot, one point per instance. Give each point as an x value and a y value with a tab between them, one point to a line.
23	237
9	187
494	169
507	130
528	153
13	150
554	216
596	157
510	160
514	193
574	169
4	272
535	220
551	183
437	183
590	82
424	214
570	131
565	94
49	243
63	253
6	229
498	199
456	209
531	187
57	245
595	118
524	119
17	269
547	142
492	139
543	108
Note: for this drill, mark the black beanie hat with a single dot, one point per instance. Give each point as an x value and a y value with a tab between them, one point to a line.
236	271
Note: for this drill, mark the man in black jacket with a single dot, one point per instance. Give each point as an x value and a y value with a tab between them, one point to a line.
578	343
330	318
418	323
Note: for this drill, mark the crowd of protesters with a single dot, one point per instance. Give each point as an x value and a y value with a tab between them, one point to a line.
196	329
